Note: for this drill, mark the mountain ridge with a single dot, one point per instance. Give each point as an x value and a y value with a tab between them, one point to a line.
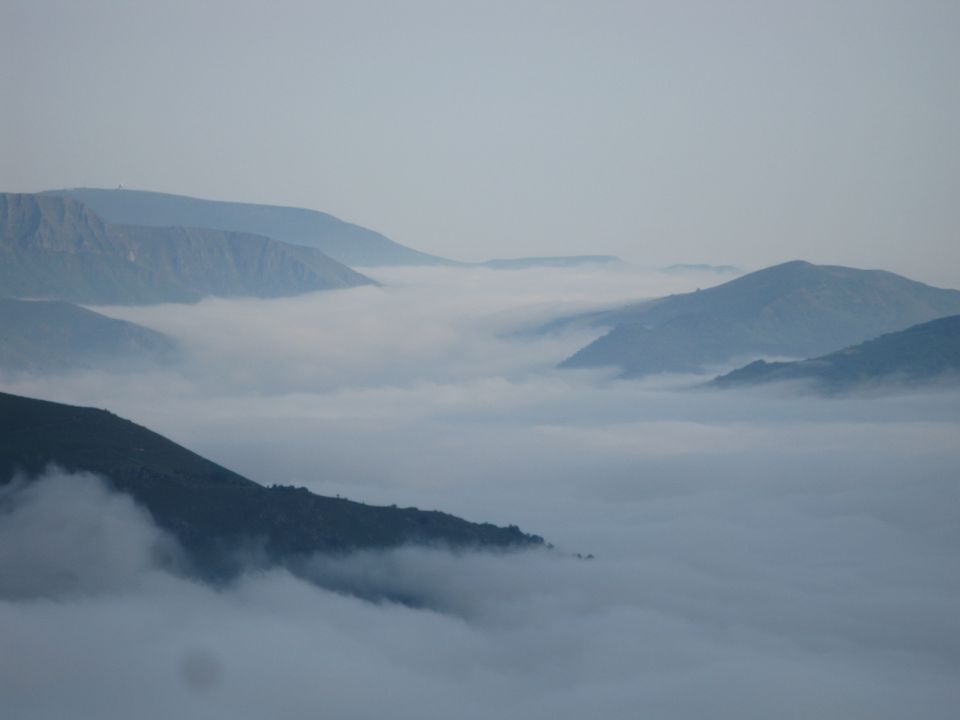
38	336
216	514
922	354
795	309
52	247
348	243
345	242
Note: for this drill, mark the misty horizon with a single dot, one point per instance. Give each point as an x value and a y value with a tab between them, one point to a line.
735	537
743	133
536	360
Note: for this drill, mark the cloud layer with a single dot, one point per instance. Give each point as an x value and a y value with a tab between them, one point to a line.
758	554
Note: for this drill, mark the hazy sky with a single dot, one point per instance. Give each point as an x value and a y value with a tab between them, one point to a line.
725	132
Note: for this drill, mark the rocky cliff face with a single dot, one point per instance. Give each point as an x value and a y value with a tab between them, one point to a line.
56	248
344	242
45	223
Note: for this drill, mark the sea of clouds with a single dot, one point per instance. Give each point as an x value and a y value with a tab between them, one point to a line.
759	553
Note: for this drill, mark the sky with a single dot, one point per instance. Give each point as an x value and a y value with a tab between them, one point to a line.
743	133
758	553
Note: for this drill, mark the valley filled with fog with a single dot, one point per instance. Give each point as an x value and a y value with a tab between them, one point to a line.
758	552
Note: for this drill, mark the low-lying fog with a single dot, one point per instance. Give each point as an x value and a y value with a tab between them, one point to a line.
758	554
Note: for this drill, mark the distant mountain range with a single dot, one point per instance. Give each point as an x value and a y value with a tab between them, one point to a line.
218	516
921	354
55	247
346	243
791	310
350	244
44	336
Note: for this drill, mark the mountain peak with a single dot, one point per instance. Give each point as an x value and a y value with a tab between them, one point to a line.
795	309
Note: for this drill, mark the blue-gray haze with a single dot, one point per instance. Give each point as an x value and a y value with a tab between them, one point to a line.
758	554
742	132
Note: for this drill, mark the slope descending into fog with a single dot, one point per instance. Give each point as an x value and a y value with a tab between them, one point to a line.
793	309
925	353
215	513
755	551
43	336
347	243
57	248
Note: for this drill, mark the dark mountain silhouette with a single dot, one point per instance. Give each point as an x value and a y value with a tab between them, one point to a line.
349	244
922	354
54	247
218	516
795	310
42	336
